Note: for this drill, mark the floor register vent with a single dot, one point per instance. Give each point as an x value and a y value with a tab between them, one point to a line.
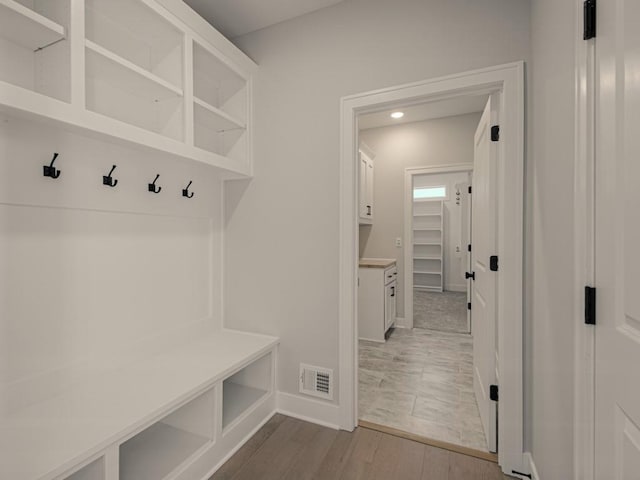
316	381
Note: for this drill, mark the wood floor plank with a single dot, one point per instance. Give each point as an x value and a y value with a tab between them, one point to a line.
435	465
235	463
290	449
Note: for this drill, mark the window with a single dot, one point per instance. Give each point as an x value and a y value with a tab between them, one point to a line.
429	193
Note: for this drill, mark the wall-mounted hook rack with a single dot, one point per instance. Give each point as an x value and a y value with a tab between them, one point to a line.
152	186
185	191
50	170
108	179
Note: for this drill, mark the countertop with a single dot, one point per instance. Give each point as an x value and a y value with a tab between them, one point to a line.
376	262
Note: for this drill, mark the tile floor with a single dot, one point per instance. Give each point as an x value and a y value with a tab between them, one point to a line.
421	381
443	311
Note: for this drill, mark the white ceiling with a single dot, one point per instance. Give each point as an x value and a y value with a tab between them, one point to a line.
238	17
424	111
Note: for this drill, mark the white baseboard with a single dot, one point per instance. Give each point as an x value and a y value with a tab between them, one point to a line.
401	323
528	458
308	409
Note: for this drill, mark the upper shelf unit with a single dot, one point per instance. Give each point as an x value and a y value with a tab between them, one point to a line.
145	72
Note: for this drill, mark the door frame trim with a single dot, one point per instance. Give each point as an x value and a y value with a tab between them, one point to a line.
409	173
584	251
509	80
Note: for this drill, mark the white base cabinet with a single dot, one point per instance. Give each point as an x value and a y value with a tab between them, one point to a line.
377	288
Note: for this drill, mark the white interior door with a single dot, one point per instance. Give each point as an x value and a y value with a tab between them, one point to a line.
483	298
617	382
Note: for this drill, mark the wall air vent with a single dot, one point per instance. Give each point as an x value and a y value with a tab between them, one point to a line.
316	381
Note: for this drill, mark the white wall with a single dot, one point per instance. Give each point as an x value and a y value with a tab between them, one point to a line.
444	141
549	386
282	227
92	275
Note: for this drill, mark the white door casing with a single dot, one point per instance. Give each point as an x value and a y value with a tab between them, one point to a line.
484	286
617	230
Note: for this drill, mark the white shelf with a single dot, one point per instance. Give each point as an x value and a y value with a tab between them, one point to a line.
426	215
127	75
426	273
27	28
218	120
157	451
427	257
49	438
429	288
427	229
237	399
427	243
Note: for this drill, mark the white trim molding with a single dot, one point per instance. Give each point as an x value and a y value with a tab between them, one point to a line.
308	409
533	471
508	80
409	173
584	253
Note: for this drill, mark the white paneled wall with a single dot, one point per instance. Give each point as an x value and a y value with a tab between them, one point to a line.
92	275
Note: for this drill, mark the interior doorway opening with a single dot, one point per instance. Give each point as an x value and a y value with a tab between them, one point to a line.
508	82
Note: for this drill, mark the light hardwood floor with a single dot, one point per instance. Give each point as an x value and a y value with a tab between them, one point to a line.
290	449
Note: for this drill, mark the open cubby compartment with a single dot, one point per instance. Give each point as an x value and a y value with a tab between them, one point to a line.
122	91
427	266
218	133
158	451
93	471
134	31
427	251
33	40
427	236
218	86
427	281
244	389
427	207
427	221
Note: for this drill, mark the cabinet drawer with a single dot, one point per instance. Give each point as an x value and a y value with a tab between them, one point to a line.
390	274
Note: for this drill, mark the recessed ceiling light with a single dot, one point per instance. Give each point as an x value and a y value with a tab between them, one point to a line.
397	115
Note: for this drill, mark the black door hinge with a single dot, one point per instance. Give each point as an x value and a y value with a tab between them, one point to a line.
520	474
493	263
471	275
590	305
589	19
495	133
469	247
469	306
493	392
469	188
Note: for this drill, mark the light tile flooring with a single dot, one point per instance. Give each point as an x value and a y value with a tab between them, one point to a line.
421	381
443	311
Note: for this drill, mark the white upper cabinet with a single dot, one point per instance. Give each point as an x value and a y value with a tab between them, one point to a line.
146	72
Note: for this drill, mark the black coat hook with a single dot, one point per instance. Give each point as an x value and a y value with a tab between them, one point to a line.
185	191
108	179
152	186
50	170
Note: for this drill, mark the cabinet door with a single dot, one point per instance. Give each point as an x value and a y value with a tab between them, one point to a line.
390	305
369	190
363	187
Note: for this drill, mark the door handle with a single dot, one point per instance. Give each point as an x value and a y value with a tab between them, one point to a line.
393	291
471	275
369	210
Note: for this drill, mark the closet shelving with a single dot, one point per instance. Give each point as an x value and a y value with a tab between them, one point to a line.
428	236
140	75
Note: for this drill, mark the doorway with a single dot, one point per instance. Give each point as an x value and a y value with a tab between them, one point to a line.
508	82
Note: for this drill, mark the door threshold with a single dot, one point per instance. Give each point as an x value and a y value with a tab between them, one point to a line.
471	452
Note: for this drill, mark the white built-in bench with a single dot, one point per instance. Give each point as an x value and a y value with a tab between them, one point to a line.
175	415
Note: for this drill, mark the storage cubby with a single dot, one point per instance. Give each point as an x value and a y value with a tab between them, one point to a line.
93	471
132	30
426	208
244	389
427	251
427	236
159	450
33	42
427	265
120	90
427	281
220	106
